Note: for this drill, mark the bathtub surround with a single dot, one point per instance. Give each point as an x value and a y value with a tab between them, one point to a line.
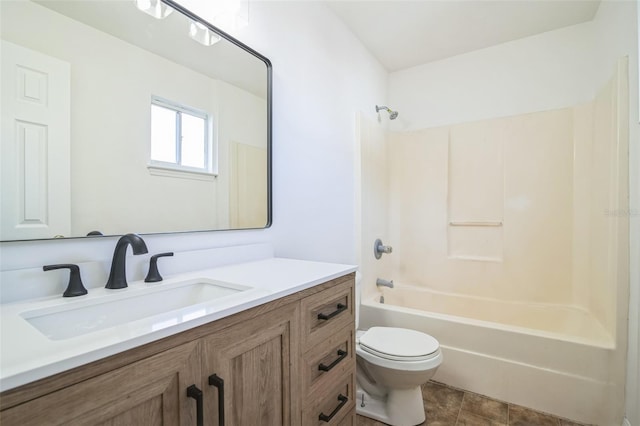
515	208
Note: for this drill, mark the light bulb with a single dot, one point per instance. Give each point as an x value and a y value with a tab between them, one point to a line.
202	34
155	8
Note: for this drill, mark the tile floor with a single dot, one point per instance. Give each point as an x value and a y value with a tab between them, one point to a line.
447	406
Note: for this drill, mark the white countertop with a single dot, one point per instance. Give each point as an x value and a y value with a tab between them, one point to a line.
27	355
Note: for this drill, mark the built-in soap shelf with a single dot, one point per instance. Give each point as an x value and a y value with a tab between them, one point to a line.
474	223
477	240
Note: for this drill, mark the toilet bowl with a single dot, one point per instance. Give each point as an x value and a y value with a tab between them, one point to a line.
392	365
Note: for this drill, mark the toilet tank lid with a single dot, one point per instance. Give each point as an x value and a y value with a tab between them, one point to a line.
399	342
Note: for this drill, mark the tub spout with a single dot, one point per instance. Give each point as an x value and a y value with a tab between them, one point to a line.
384	283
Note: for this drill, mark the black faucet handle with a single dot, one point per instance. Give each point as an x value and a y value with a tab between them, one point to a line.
154	276
75	286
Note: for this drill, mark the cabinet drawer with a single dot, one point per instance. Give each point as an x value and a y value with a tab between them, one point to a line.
326	312
327	361
332	404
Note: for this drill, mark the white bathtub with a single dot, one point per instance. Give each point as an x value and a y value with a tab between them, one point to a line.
548	357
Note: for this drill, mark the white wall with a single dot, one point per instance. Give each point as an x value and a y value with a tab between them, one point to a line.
233	107
616	34
538	73
322	76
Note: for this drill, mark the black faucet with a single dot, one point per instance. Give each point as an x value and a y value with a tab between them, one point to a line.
118	276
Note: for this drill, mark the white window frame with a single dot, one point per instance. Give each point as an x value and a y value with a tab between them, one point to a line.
164	168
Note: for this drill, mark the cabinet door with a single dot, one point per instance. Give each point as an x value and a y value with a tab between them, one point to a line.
255	359
152	391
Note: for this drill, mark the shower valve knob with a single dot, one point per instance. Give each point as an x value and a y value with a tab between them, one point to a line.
379	249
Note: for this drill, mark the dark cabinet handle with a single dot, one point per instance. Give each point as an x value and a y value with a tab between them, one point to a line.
216	381
343	400
341	355
195	393
339	309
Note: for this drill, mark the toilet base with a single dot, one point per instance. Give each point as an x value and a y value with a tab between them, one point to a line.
401	407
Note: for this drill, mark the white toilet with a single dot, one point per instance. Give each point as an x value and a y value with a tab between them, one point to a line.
392	364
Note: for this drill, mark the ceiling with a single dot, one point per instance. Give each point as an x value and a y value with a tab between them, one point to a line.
169	39
402	34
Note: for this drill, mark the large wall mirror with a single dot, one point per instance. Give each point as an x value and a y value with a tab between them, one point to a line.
117	121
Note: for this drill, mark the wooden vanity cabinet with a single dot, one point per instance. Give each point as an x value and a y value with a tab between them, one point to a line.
267	366
151	391
257	362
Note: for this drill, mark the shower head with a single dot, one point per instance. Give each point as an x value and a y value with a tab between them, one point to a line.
392	114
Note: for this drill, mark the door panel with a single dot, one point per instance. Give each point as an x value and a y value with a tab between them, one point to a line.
247	189
35	179
146	393
255	359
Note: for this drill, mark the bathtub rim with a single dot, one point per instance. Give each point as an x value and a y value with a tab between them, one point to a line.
373	301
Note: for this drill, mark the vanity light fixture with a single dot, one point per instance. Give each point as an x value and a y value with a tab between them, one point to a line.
155	8
202	34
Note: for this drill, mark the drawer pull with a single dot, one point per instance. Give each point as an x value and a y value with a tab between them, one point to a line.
343	400
341	355
195	393
340	307
215	380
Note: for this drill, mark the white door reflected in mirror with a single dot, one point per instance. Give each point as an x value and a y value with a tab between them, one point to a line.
35	144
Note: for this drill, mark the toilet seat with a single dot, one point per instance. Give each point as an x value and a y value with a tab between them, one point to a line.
399	344
398	349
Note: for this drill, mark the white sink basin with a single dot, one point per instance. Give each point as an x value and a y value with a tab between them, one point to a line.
161	306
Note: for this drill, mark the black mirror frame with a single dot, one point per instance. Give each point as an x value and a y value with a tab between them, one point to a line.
267	63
